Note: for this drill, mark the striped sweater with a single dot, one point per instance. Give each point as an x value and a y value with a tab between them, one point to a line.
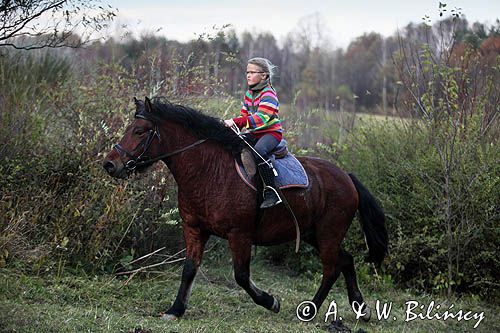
259	113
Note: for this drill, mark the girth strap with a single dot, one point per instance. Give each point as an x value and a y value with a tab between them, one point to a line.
296	223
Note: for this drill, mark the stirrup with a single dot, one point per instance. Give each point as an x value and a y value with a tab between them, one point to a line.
274	196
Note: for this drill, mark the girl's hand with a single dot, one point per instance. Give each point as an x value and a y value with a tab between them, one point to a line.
229	123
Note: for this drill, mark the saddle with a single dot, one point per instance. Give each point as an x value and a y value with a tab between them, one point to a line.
290	172
248	159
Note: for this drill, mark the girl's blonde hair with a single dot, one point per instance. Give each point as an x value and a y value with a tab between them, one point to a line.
266	65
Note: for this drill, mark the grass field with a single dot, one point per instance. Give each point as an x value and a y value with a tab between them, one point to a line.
109	304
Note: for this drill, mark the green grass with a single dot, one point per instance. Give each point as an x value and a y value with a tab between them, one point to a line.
107	304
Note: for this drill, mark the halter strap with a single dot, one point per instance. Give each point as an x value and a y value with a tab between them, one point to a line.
135	162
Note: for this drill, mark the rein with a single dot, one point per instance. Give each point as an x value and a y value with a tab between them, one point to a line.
139	161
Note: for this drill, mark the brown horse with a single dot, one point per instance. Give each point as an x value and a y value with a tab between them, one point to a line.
199	151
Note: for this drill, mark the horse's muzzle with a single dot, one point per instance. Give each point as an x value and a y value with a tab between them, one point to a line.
109	166
114	169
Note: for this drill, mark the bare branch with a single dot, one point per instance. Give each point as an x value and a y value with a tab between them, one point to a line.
51	23
164	262
25	21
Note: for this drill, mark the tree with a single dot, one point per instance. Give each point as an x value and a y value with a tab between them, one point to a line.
35	24
456	104
360	68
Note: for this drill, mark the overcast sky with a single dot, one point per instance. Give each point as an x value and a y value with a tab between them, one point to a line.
343	19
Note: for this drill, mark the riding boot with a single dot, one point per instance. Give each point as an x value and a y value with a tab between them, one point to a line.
271	196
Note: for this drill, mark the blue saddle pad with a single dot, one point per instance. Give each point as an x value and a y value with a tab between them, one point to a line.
290	173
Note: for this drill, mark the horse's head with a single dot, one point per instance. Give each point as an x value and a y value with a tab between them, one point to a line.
138	146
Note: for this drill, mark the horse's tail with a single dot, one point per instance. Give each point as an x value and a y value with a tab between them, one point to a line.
372	222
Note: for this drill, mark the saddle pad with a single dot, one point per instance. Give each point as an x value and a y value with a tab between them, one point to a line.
290	173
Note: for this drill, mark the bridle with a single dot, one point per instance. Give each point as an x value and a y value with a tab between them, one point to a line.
145	143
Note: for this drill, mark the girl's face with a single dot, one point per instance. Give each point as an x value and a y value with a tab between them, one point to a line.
255	74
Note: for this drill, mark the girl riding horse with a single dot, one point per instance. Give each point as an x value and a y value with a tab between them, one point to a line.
259	115
197	149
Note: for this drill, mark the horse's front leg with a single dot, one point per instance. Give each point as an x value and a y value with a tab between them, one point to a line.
241	248
195	243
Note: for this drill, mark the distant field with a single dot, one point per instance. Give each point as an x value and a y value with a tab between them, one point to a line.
107	304
230	107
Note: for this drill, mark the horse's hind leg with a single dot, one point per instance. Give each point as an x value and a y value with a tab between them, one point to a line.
329	254
241	248
329	233
326	238
355	298
346	267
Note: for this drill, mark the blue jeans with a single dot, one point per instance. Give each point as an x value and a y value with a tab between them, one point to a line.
265	145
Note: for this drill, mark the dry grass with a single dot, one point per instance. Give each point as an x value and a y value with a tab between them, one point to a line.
106	304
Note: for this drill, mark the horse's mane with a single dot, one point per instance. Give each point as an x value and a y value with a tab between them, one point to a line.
202	125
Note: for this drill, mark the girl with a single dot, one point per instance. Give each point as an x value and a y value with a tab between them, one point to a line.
259	115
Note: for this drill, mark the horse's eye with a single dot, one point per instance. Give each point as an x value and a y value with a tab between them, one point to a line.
139	131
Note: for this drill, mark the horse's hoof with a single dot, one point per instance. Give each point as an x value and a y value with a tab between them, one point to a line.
367	314
337	326
276	306
168	317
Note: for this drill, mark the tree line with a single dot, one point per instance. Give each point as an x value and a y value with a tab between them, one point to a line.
312	74
435	171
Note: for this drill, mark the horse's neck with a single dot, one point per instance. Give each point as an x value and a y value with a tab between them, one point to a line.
206	160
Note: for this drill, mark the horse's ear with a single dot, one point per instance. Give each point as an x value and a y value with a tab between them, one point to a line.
138	103
147	105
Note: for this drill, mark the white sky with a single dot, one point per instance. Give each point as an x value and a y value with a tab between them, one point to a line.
343	19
